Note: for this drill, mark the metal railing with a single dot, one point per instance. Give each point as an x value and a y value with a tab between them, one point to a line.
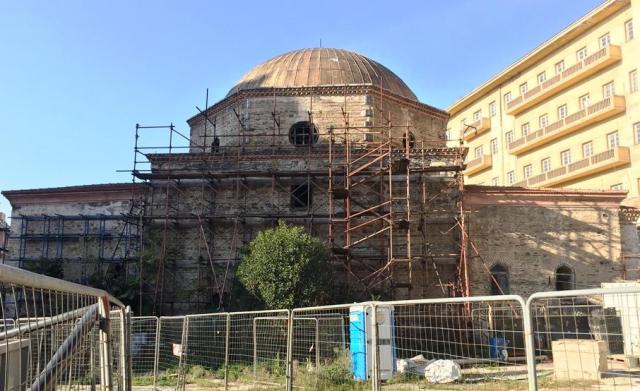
60	335
572	74
571	122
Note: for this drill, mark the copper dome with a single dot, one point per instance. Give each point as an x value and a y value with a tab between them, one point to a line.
322	67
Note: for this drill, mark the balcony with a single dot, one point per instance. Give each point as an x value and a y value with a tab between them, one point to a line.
475	129
594	164
570	76
478	164
597	112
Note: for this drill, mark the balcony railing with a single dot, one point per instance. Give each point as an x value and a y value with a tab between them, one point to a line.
596	112
475	129
478	164
593	164
570	76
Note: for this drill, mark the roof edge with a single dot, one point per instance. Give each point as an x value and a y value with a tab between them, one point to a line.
76	188
82	193
522	196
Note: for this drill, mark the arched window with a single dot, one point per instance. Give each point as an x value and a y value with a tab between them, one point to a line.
499	280
303	133
565	278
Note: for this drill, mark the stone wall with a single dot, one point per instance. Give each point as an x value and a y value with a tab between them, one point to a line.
427	128
250	121
533	232
76	226
235	211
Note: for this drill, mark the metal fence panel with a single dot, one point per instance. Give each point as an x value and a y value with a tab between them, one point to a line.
55	334
258	348
587	339
480	339
118	348
558	340
169	351
205	350
320	355
143	336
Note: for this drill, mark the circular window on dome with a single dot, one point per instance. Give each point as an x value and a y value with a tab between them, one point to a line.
303	133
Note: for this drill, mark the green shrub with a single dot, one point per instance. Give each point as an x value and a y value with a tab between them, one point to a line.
285	267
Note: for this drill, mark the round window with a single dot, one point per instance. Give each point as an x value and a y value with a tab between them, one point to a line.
303	133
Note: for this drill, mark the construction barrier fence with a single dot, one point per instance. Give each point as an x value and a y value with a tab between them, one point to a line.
581	339
58	335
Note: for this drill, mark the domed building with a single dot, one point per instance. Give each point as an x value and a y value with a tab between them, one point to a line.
331	140
275	103
337	143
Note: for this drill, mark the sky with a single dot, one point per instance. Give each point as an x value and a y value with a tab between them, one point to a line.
76	76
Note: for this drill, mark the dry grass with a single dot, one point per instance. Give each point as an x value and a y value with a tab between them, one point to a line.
336	376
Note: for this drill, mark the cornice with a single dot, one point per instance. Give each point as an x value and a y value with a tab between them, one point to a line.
320	91
72	194
475	195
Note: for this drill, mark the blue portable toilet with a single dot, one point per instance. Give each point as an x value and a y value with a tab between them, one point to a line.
360	341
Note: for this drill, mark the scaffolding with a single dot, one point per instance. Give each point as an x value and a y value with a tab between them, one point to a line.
371	205
92	241
379	181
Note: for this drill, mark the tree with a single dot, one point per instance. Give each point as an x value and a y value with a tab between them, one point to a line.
285	267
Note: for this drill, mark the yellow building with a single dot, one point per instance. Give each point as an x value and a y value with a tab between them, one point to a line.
565	115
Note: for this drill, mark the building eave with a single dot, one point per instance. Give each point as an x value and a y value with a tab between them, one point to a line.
320	91
478	195
84	193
